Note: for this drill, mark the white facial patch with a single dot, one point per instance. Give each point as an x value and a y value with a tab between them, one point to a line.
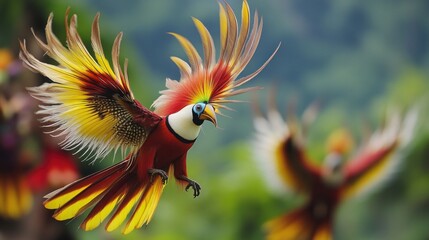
182	124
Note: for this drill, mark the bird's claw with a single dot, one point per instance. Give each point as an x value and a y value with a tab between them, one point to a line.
153	171
195	186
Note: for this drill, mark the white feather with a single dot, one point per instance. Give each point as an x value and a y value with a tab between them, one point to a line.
270	133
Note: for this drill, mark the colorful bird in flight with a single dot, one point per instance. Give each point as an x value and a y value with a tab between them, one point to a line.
91	105
280	148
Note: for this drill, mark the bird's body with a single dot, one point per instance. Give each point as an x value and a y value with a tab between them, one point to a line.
165	148
90	104
311	221
323	201
140	174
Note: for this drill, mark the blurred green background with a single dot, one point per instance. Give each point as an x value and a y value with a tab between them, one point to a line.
357	58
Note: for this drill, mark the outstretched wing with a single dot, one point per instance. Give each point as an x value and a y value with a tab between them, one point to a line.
281	157
88	102
209	80
381	156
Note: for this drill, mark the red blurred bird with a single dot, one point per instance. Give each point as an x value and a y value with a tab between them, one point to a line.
281	151
92	106
57	169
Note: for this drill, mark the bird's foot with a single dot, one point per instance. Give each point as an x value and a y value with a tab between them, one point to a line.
195	186
153	171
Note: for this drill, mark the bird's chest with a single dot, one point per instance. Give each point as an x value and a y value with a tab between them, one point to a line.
166	145
324	201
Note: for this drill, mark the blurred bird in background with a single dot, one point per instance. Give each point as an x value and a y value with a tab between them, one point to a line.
31	163
91	105
346	171
15	162
57	168
16	158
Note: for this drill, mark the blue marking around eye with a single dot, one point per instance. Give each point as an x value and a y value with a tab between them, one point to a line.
199	108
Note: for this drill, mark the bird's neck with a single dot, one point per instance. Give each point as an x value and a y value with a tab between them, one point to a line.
183	126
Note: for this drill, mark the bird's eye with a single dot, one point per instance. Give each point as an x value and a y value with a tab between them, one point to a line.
199	107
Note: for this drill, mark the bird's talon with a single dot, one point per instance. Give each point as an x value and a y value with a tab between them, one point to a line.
195	186
152	172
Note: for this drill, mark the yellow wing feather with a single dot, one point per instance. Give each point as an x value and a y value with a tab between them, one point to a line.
87	92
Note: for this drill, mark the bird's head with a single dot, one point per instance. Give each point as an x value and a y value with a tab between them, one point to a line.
340	142
212	79
203	111
333	169
187	122
339	145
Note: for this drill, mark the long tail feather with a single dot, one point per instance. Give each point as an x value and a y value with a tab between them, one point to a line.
300	225
117	187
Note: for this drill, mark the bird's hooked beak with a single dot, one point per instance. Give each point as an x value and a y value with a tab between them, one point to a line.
209	114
